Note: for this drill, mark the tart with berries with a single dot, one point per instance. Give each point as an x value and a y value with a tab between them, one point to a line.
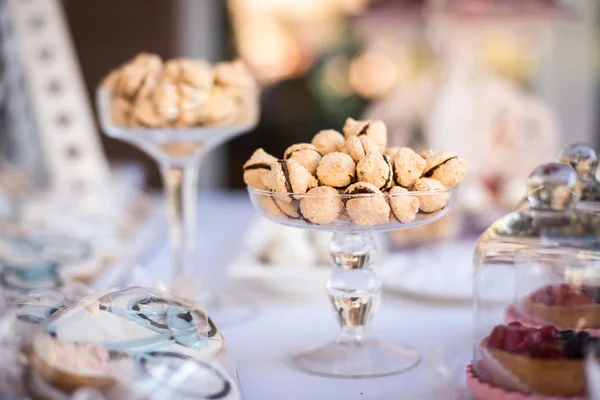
565	306
545	361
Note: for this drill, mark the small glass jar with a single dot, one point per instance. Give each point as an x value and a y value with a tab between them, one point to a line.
537	292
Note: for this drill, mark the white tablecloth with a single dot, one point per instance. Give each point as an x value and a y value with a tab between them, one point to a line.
258	347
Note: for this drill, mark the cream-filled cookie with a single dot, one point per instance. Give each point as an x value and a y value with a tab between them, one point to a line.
408	167
375	168
269	207
358	147
369	207
446	167
321	205
256	168
288	176
306	154
328	141
404	206
426	153
336	170
290	209
430	203
375	129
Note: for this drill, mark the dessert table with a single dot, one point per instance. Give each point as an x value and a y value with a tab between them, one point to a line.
258	345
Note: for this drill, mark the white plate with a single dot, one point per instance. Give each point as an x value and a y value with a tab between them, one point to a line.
296	279
281	279
441	272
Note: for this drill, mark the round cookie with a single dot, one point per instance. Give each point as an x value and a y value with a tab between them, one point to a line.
321	205
431	202
288	176
391	151
446	167
376	130
367	210
290	209
120	111
336	170
306	154
256	168
408	167
138	77
328	141
426	153
358	147
404	206
269	207
375	168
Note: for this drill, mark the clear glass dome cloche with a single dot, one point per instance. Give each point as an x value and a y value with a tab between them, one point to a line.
537	293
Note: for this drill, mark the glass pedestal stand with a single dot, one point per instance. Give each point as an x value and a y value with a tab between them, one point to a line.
353	288
355	293
179	152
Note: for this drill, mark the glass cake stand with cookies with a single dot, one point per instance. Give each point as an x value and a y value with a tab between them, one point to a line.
177	111
352	185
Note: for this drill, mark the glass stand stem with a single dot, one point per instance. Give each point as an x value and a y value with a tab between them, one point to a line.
181	186
355	292
354	289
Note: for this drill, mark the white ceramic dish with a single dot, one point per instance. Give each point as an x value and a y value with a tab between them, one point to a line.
296	277
440	272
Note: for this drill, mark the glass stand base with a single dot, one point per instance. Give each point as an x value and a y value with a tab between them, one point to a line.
366	359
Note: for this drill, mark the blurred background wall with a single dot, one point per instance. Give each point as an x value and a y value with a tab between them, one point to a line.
308	89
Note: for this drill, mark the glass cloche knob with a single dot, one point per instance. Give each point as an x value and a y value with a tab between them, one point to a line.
553	186
582	158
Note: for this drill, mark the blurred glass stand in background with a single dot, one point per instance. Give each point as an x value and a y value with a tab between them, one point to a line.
54	176
396	69
487	108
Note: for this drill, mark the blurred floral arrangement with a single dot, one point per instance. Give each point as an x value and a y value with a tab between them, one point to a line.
440	73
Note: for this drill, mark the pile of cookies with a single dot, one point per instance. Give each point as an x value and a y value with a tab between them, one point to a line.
353	177
149	93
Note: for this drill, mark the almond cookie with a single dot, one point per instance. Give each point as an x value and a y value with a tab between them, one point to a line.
306	154
269	207
290	209
408	167
426	153
375	168
144	114
376	130
166	100
404	206
219	109
120	111
193	105
197	73
328	141
321	205
446	167
139	76
358	147
430	203
336	170
391	152
288	176
256	168
235	74
369	207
